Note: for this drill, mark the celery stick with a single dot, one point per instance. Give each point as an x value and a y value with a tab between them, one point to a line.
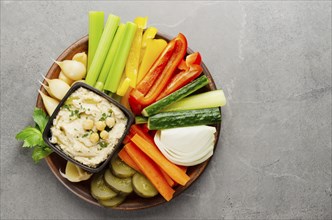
102	49
209	99
110	56
141	120
115	73
96	25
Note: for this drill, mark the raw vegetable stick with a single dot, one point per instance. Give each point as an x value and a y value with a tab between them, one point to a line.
110	57
124	85
135	50
128	160
153	50
102	49
136	129
96	26
149	33
150	170
115	73
169	180
185	118
152	151
211	99
175	96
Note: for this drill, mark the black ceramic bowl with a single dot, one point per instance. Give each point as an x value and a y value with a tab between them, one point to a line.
47	132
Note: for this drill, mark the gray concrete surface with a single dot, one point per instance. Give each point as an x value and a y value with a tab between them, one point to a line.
273	60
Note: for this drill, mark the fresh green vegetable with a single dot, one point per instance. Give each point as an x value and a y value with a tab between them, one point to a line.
120	185
209	99
96	26
175	96
143	187
32	136
110	57
102	49
113	201
184	118
115	73
141	120
121	169
99	189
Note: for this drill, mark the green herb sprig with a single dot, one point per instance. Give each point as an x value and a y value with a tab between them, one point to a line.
32	136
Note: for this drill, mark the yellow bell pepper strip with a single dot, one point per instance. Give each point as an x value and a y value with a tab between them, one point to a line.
117	68
131	69
110	57
159	74
153	50
134	54
149	33
124	86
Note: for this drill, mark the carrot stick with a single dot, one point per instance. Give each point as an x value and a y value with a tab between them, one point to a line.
136	129
184	168
126	140
153	152
150	170
128	160
169	180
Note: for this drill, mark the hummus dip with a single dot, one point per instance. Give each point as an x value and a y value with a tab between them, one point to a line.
88	127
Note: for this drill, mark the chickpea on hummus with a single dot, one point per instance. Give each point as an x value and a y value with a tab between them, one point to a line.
88	127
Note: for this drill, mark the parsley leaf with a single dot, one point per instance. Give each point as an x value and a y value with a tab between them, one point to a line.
40	152
32	136
40	117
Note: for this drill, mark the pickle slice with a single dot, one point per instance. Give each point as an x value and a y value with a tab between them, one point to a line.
112	202
143	187
121	169
99	189
120	185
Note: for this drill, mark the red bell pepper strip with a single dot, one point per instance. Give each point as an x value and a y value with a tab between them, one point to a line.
194	58
191	69
159	74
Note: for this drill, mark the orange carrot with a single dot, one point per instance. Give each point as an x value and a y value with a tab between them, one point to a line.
128	160
169	180
151	150
184	168
126	140
150	170
136	129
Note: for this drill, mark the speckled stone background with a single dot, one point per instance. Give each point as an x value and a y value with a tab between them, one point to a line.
273	60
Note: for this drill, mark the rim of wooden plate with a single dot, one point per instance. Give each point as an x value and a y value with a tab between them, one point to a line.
82	189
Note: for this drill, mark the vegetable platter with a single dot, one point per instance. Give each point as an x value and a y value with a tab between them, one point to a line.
170	92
